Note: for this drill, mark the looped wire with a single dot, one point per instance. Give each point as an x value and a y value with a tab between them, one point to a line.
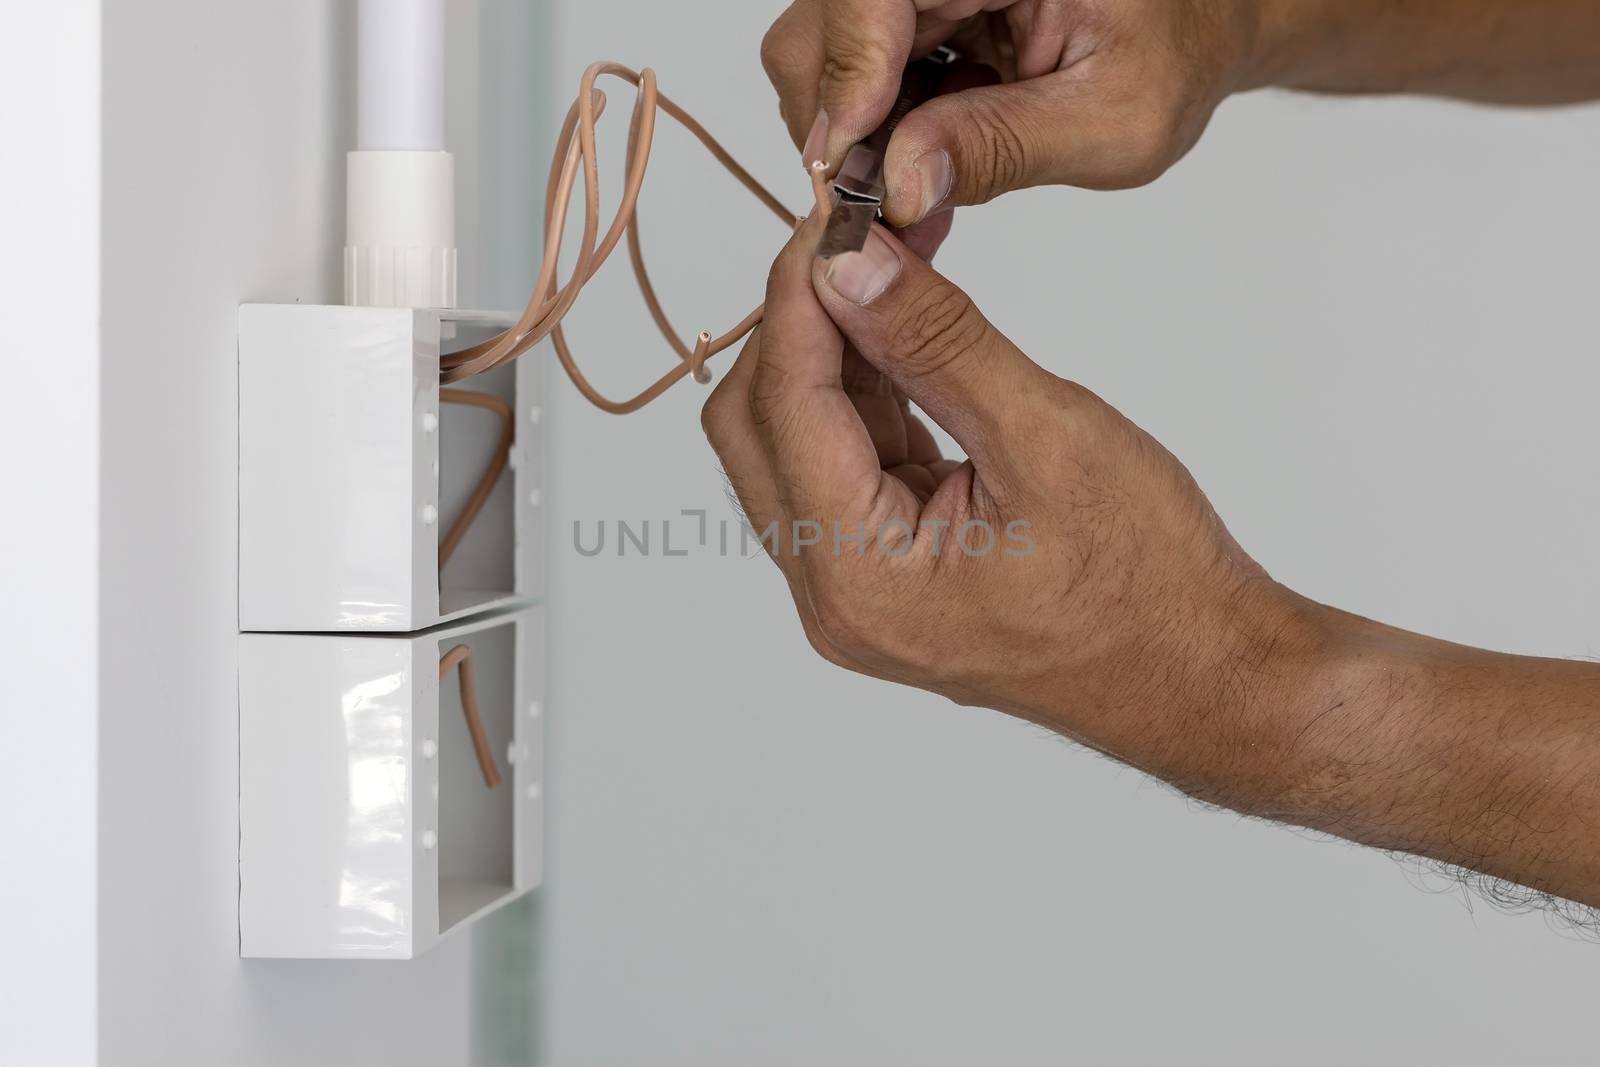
549	303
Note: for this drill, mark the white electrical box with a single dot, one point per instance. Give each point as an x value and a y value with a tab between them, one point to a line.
366	829
351	471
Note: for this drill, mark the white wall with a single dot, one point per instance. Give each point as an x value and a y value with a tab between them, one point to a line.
49	229
225	125
1369	329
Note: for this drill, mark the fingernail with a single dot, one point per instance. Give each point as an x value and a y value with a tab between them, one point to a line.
938	176
816	141
861	276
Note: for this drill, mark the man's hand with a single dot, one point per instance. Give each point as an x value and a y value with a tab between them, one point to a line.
1108	94
1098	93
1071	573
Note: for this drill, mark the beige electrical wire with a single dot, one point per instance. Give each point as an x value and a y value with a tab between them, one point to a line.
549	302
461	656
549	305
491	474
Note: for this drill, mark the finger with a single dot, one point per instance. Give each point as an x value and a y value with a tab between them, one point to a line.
836	65
823	459
967	74
987	40
882	408
872	394
926	237
1040	30
732	433
792	54
866	46
731	430
928	337
925	466
919	480
972	146
921	447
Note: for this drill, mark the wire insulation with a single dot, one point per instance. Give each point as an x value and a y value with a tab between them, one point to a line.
461	656
550	302
491	473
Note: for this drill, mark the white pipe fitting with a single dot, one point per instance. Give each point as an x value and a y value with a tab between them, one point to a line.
400	244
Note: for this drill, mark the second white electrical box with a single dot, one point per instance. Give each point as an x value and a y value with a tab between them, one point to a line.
366	827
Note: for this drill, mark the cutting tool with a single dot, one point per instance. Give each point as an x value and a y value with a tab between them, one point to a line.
858	189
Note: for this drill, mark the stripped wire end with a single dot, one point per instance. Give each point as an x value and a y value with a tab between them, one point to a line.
697	361
819	188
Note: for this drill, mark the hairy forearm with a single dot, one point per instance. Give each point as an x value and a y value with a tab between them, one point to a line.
1486	761
1497	51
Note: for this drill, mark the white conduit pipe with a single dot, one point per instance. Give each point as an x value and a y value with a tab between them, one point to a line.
400	248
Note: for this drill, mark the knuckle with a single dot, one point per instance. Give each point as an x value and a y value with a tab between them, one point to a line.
1070	397
850	58
772	52
1147	148
1000	151
841	620
715	416
780	55
1069	413
825	648
766	394
723	410
866	618
936	327
775	274
1071	427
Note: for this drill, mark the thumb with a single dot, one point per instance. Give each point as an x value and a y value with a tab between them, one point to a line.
970	147
922	331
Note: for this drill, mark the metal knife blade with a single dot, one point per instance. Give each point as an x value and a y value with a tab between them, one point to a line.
858	188
846	230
